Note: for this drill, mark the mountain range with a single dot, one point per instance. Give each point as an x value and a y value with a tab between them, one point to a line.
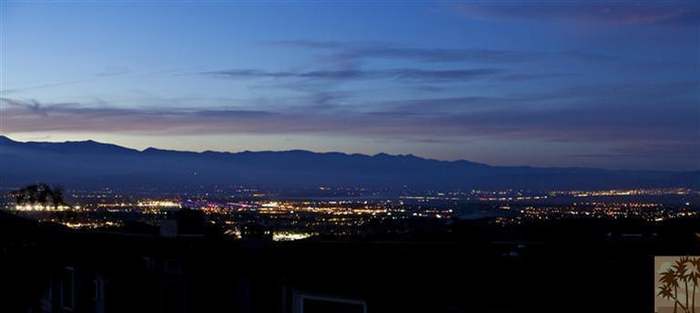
94	164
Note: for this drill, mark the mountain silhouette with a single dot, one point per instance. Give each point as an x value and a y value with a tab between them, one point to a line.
94	164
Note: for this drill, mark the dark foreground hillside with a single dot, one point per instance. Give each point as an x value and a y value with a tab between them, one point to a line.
473	267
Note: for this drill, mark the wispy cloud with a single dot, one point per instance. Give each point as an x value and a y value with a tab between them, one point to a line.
41	86
346	51
404	74
637	116
668	13
358	52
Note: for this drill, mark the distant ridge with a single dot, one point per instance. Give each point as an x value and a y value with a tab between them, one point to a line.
90	163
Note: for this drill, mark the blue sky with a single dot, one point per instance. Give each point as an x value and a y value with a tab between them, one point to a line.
610	84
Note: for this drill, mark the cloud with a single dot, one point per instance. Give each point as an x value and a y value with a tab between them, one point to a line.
628	116
668	13
41	86
532	76
344	52
320	90
402	74
352	53
33	116
106	74
437	55
442	75
444	105
668	151
321	74
33	106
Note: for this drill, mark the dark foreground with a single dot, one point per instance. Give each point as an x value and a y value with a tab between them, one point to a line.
575	266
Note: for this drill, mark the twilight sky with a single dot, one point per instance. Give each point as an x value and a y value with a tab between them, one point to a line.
613	84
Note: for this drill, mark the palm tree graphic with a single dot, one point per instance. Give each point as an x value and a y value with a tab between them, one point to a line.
681	278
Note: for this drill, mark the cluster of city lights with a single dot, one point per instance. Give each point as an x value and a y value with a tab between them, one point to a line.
89	225
647	212
45	208
290	236
159	204
291	219
624	192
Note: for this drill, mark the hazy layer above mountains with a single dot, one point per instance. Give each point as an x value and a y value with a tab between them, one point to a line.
93	164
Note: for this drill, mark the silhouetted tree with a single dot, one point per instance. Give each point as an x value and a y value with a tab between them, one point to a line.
57	196
42	194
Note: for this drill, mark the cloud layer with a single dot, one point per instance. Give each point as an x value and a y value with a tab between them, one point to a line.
647	119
